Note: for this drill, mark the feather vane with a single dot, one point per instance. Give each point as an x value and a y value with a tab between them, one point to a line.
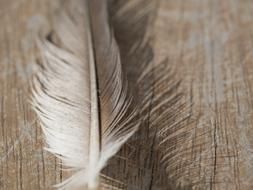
81	95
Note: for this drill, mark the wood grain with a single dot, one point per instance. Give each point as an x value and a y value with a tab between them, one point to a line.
207	45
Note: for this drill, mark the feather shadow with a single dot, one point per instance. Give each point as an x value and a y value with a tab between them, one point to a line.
152	159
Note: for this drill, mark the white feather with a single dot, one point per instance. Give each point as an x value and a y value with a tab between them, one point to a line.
77	130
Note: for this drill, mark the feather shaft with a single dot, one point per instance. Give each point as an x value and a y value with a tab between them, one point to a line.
94	134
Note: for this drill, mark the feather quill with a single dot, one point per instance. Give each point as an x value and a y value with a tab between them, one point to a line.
81	95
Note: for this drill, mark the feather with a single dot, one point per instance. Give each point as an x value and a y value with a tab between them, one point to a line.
81	95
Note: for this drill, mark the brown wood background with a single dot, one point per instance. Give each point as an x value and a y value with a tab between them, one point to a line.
207	43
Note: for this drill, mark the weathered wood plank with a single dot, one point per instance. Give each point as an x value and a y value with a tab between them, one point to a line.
24	163
208	45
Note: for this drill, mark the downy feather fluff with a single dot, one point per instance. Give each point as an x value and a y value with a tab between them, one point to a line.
81	95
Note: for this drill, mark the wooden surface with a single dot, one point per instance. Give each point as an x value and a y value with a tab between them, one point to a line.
208	46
